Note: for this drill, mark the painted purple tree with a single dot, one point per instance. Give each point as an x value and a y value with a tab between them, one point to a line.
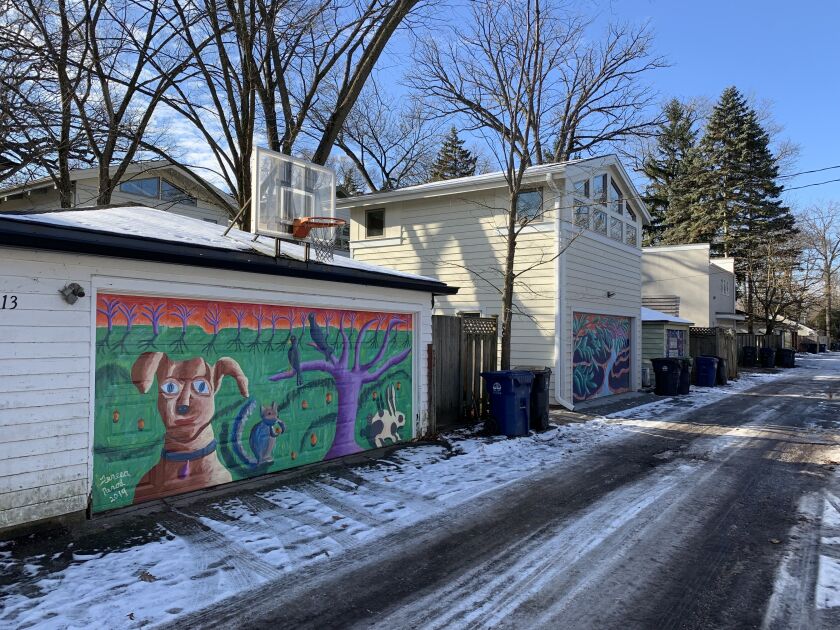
239	316
129	313
259	317
213	317
153	314
349	374
182	313
275	318
109	309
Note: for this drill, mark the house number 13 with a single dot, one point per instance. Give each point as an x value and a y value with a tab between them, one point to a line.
9	302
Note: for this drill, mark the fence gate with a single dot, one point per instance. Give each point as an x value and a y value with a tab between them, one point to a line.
715	342
462	348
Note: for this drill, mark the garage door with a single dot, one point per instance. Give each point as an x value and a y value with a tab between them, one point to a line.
194	393
601	360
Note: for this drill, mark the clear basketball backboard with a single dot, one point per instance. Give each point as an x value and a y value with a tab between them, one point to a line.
284	189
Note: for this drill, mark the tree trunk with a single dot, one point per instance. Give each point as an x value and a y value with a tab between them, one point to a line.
828	304
348	386
507	289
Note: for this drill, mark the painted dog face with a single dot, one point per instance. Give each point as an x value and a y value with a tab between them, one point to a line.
186	390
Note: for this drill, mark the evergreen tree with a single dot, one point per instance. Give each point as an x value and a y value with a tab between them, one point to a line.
732	198
453	160
667	168
350	184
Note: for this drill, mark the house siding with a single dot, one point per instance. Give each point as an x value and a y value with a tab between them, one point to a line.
681	271
46	360
595	267
443	237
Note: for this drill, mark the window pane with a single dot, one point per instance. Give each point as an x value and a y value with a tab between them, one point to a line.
170	192
630	235
374	223
630	212
616	203
146	187
600	188
529	205
616	226
600	221
582	214
582	188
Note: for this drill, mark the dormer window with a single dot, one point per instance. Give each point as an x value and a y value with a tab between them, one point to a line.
157	188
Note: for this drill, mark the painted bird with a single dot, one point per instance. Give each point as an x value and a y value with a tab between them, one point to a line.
294	359
318	337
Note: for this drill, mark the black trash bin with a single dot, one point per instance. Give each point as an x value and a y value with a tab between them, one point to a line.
722	371
685	375
539	396
510	400
785	358
667	373
768	357
749	356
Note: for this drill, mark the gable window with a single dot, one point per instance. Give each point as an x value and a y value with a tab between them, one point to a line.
599	221
374	223
529	205
616	227
616	198
582	188
170	192
599	186
630	235
581	214
157	188
146	187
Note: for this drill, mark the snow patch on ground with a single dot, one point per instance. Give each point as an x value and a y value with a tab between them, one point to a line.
203	554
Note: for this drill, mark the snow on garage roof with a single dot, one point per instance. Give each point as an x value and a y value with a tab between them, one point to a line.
153	225
649	315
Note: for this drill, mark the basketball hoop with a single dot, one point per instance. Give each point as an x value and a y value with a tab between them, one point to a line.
322	233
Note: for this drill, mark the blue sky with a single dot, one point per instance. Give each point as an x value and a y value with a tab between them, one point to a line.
786	52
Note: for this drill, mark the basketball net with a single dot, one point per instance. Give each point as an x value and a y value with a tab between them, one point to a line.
322	234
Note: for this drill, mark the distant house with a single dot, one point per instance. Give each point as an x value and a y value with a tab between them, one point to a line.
663	335
577	302
685	281
156	184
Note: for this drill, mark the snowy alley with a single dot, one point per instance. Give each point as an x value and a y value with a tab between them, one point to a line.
721	509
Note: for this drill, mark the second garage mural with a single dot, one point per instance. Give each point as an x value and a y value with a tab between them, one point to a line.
193	393
602	353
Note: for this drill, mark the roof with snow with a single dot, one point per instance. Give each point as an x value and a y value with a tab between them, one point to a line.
650	315
143	233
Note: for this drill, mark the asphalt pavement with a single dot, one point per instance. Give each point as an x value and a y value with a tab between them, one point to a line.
709	519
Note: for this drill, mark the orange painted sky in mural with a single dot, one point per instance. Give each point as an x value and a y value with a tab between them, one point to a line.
227	316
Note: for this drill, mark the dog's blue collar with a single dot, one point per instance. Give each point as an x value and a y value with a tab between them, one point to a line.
187	456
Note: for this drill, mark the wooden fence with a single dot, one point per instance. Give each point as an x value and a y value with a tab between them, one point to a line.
716	342
462	348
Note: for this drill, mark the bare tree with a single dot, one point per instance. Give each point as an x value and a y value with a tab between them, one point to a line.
44	56
523	74
391	141
270	65
820	226
784	281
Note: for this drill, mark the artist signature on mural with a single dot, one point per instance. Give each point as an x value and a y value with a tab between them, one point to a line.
114	486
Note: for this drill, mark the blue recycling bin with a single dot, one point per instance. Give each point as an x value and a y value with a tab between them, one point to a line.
510	400
706	371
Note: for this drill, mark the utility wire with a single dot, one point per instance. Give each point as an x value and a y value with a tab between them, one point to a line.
815	170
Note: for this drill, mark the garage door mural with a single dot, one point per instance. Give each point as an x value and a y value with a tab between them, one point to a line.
601	363
193	393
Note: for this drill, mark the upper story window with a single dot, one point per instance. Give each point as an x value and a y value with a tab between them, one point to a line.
581	213
616	198
599	188
157	188
582	188
529	205
146	187
374	223
725	287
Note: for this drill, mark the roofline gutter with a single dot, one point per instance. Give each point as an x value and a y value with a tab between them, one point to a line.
30	235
